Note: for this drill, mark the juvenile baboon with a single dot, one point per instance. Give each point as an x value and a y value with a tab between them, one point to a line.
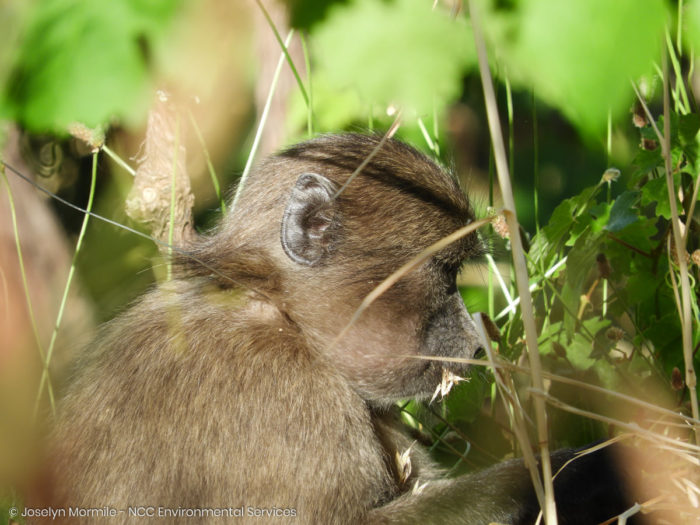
225	389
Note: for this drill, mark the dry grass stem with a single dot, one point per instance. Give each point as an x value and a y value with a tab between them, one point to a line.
511	401
519	263
682	293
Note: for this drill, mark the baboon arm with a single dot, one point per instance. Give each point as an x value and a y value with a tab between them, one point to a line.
500	495
588	490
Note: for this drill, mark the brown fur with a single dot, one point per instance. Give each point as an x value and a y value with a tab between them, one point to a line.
221	389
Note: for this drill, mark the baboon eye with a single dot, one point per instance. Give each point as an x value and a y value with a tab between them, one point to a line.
452	287
450	273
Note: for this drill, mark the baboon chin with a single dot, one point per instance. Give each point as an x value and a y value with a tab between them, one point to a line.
228	393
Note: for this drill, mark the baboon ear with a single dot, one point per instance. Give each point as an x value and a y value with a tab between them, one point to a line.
307	224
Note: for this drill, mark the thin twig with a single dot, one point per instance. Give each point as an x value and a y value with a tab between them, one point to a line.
678	238
389	133
521	274
71	272
25	283
119	225
684	310
515	302
503	364
116	158
505	385
630	427
210	165
285	50
261	125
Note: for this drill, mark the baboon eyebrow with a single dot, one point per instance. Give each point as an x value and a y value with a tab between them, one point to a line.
377	171
421	193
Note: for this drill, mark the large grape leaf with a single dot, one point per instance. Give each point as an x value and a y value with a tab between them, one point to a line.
401	52
579	56
84	61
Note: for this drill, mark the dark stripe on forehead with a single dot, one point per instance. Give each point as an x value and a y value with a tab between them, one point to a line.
396	165
422	193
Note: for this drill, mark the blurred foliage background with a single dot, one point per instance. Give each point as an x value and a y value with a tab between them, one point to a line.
585	160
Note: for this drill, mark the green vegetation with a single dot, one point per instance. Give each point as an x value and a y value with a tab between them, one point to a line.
596	97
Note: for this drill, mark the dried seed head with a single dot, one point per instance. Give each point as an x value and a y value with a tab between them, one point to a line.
418	487
677	382
403	464
695	257
500	226
639	117
649	144
448	381
615	334
94	138
604	269
611	175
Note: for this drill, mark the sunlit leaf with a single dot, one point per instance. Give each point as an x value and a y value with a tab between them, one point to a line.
401	52
691	33
84	61
655	191
581	56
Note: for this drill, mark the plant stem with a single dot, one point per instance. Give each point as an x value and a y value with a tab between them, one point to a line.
519	262
210	166
71	272
679	242
261	125
285	51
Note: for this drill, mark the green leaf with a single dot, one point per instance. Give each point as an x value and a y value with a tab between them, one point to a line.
578	352
570	298
600	214
401	52
622	213
646	161
688	127
639	233
467	398
581	260
566	222
84	61
655	191
581	347
303	14
691	33
640	287
665	334
684	131
333	110
608	375
580	56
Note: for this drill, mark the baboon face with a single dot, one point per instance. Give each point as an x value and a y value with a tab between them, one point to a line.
339	246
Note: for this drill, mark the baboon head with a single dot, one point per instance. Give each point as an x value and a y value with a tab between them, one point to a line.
322	245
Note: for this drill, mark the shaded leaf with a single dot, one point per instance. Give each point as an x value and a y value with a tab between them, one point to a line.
655	191
622	213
